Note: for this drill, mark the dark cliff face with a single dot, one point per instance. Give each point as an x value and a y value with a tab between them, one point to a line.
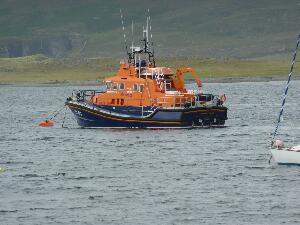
58	46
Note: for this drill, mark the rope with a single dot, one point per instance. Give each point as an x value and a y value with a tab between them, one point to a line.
65	119
286	89
62	125
56	113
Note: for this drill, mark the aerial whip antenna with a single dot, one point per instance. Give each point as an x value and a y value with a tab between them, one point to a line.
132	36
150	27
123	28
146	32
149	41
286	89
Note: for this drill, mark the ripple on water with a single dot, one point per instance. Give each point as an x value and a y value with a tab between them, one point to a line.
132	176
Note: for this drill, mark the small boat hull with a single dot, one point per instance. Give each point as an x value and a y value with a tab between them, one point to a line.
285	156
94	117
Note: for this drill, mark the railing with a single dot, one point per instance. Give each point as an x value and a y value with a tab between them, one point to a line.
174	101
205	97
181	101
82	95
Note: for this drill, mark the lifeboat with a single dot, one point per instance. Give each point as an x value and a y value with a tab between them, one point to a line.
143	95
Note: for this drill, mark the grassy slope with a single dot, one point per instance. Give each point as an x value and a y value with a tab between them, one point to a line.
207	28
40	68
257	29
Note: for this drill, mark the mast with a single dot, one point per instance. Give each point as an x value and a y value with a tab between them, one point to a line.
286	88
136	52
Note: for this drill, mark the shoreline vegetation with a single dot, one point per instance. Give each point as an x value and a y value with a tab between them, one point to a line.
41	70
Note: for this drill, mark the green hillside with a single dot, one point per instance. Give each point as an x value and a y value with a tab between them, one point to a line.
206	28
39	68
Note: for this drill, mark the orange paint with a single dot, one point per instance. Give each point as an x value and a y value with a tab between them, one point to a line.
46	123
152	86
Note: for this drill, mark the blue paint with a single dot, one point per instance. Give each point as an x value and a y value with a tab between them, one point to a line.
165	115
129	110
87	117
289	164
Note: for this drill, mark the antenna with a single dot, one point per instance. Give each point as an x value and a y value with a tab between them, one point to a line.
150	27
147	30
146	34
123	28
132	36
134	53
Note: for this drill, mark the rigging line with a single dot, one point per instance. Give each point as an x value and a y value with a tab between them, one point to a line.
286	88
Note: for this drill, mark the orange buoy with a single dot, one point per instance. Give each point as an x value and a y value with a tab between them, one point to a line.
46	123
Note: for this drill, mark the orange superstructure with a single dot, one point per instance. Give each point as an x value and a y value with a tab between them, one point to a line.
146	86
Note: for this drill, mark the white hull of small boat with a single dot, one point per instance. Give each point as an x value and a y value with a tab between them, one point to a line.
286	156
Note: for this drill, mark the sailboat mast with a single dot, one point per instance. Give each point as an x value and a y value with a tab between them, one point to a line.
286	88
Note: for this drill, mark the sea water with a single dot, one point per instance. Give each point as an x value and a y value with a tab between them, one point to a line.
147	176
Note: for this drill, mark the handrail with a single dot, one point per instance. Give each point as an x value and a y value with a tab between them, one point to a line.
81	95
175	100
182	101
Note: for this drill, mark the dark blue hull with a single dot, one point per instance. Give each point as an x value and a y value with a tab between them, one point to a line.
92	116
289	164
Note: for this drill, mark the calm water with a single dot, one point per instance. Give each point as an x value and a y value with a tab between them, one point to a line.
106	176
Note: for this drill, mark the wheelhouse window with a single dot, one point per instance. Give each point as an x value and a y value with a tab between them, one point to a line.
108	85
135	87
141	88
122	86
115	86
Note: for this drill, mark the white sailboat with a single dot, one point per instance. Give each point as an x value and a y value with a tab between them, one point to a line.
284	155
280	153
